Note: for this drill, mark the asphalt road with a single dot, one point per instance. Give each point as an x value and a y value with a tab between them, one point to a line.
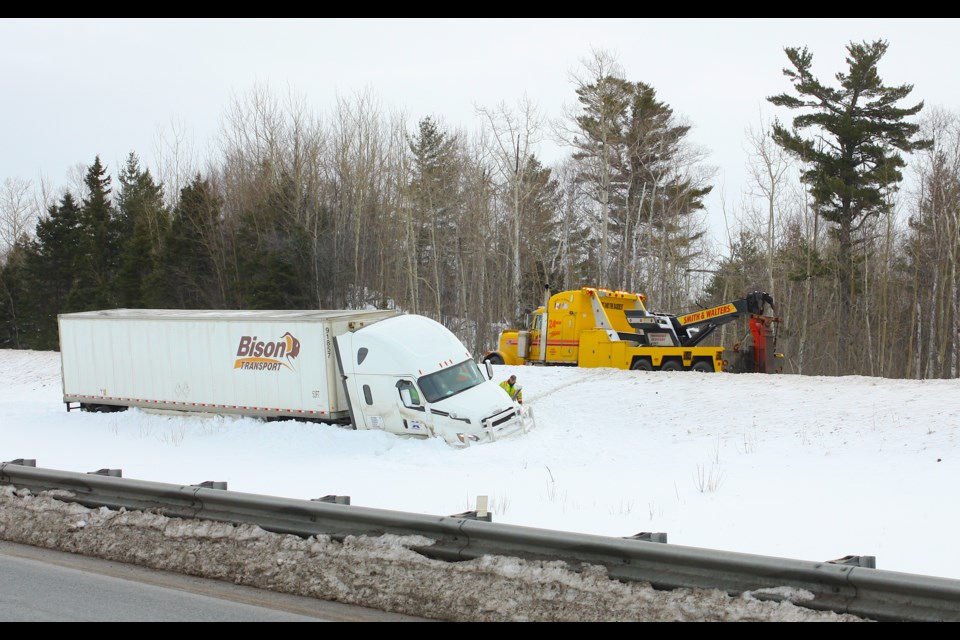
40	585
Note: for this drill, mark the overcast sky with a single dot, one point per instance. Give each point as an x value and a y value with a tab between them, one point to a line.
76	88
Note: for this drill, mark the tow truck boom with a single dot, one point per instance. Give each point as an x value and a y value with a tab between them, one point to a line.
693	328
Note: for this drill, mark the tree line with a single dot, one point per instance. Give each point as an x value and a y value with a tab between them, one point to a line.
359	210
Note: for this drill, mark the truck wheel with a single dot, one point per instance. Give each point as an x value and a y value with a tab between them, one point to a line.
100	408
671	365
494	358
702	366
642	364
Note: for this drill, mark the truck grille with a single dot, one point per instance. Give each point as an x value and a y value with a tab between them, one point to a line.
499	419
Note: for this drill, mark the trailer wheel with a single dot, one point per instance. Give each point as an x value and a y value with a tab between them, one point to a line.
671	365
494	358
702	366
642	364
100	408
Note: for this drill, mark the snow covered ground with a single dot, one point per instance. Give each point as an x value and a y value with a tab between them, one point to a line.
809	468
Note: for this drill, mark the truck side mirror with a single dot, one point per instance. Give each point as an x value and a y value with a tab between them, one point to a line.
489	368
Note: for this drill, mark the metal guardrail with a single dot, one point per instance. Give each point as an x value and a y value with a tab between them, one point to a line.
838	586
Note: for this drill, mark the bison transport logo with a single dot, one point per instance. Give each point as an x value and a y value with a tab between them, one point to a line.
254	354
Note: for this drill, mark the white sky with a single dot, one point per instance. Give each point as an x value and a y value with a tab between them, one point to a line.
75	88
802	467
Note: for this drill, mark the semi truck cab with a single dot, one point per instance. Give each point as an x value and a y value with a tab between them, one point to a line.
415	374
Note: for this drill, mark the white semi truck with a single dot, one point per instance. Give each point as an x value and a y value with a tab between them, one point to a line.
401	373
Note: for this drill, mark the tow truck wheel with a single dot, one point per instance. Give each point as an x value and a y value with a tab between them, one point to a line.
642	364
671	365
702	366
494	358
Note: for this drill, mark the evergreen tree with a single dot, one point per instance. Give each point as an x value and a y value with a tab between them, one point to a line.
541	236
185	274
435	193
51	261
15	299
57	250
142	220
853	155
853	159
631	150
100	239
739	272
653	196
273	256
136	264
604	104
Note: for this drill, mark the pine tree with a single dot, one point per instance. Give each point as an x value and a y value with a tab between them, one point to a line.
15	299
57	249
185	274
631	149
852	156
142	220
604	104
435	196
541	236
273	255
100	238
653	196
51	261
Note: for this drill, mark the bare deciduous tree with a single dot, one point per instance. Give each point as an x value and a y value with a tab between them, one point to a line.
767	167
513	138
18	213
176	160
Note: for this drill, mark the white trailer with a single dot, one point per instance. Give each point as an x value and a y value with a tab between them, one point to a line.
400	373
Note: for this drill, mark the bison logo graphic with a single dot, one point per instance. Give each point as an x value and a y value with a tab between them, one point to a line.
293	345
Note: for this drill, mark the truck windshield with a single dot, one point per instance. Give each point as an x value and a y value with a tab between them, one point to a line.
450	381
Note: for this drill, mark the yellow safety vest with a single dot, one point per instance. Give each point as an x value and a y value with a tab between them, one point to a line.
506	386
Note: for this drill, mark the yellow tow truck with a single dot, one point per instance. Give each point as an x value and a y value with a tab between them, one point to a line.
591	327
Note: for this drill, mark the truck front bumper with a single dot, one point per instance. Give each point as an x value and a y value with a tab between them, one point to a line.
517	420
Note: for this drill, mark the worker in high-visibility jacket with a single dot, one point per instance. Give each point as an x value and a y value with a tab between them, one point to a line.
514	390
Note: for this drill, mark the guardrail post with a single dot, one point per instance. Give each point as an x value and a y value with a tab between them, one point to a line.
211	484
648	537
23	462
867	562
481	513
